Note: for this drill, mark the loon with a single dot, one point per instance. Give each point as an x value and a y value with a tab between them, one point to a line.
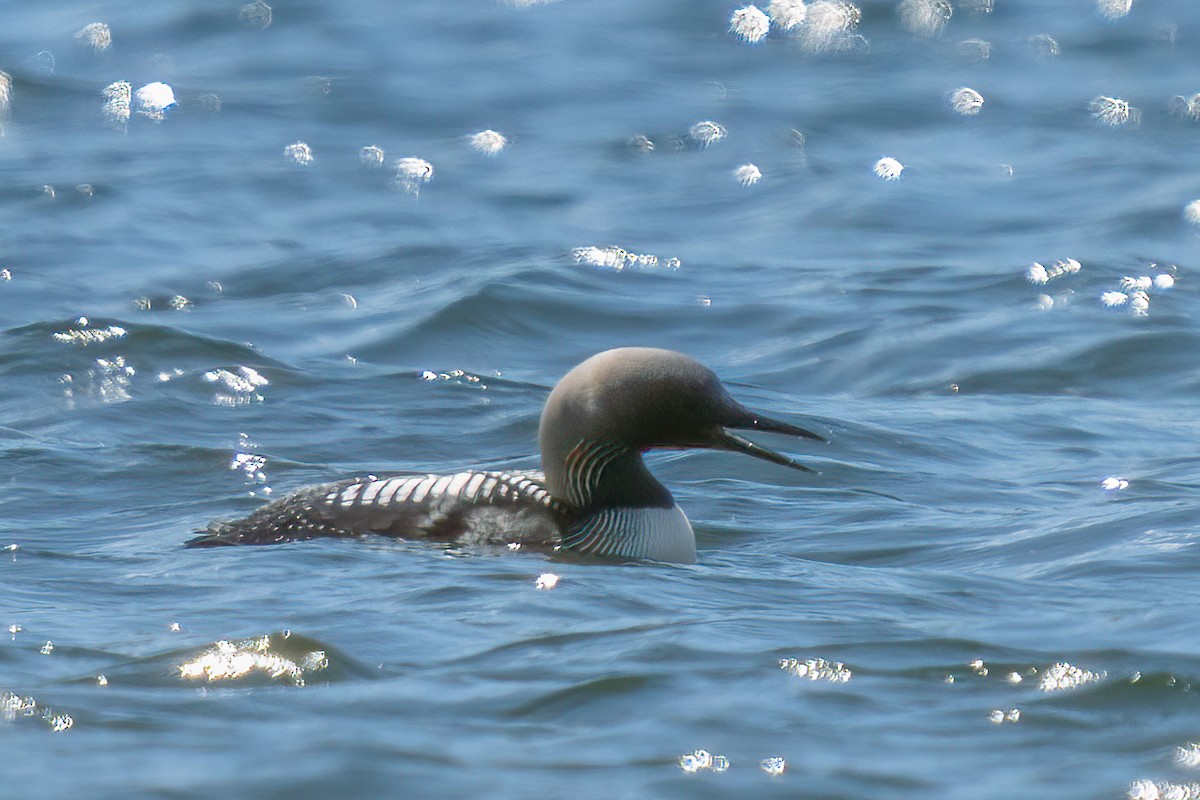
593	496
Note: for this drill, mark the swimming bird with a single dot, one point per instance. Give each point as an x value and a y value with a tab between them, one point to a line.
593	494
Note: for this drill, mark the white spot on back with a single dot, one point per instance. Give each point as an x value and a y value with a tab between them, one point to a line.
473	484
372	491
457	483
406	489
489	485
349	495
389	489
441	485
422	489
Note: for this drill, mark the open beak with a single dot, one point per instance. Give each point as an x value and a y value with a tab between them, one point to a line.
727	440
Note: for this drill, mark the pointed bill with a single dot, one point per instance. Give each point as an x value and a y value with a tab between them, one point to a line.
727	440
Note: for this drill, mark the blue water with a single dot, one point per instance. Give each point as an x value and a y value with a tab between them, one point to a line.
959	514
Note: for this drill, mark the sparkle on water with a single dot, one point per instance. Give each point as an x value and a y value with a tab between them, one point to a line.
974	49
773	765
1114	9
888	168
231	660
236	388
747	174
1139	303
371	156
749	24
829	26
488	142
1043	45
924	17
411	172
95	35
14	707
85	336
1135	290
154	100
1186	108
1163	790
966	101
1114	299
787	14
618	259
1113	111
1038	274
817	669
459	376
1063	676
1188	755
703	760
707	133
298	153
248	463
256	15
999	716
118	99
1191	212
823	26
640	143
5	98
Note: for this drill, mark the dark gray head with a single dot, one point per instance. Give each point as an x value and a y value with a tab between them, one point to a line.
608	410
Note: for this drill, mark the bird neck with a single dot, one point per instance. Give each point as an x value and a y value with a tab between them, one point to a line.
597	474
